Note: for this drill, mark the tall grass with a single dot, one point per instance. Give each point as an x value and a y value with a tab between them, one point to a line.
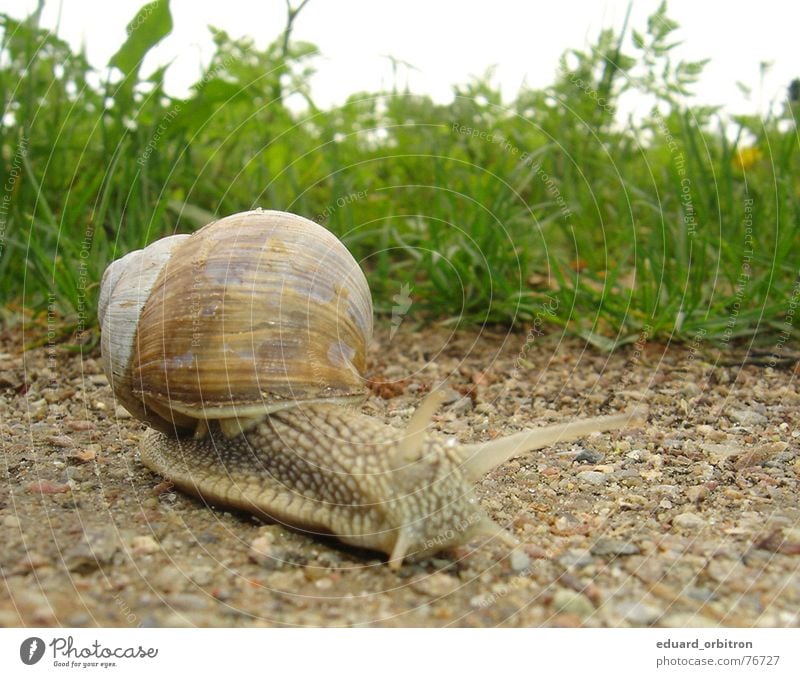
546	209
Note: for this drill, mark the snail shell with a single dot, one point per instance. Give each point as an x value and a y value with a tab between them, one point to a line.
251	314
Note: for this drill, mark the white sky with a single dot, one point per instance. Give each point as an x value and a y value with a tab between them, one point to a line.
447	41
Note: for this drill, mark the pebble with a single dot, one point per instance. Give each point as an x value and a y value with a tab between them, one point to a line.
569	601
722	570
593	477
520	561
747	417
482	600
47	487
588	456
576	559
722	451
760	454
8	379
435	585
144	545
79	619
11	521
169	579
79	426
30	562
61	441
202	575
186	602
450	396
697	494
689	520
266	553
638	613
462	406
613	546
97	547
687	620
85	455
690	389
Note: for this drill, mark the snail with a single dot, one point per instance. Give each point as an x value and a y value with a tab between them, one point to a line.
243	346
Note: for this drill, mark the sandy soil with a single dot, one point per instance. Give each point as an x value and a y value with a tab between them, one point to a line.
691	520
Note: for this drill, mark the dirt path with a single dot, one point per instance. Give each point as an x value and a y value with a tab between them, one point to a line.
692	520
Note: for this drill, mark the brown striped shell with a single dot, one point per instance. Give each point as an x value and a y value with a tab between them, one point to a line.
249	315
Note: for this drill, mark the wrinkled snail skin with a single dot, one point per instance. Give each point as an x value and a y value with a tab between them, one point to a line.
327	469
243	346
324	469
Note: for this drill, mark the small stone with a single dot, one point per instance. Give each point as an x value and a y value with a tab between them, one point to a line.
721	452
262	548
85	455
11	521
688	620
169	579
96	549
121	412
779	540
47	487
520	561
727	570
450	396
638	613
576	559
482	600
462	406
79	619
747	417
8	379
697	494
760	455
30	562
266	553
183	601
569	601
613	546
61	441
690	389
593	477
202	575
534	551
588	456
435	585
637	455
80	426
144	545
689	520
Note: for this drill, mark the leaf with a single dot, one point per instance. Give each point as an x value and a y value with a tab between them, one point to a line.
197	215
152	23
598	340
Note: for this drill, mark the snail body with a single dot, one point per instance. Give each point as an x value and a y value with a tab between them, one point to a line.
256	409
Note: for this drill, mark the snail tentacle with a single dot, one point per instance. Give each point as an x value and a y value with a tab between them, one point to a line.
480	458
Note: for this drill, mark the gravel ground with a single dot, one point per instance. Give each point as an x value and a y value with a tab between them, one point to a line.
692	520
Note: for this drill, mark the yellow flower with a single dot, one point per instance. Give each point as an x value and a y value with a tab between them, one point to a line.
746	157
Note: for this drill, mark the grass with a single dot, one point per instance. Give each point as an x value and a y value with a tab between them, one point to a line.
678	224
